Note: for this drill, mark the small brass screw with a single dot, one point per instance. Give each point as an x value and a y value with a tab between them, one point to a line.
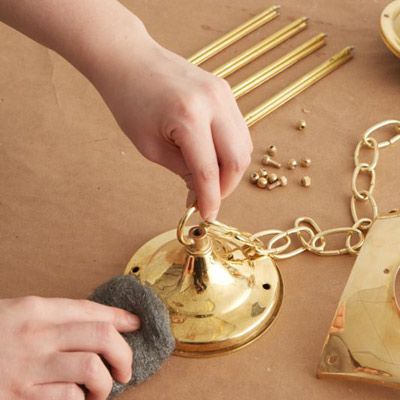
263	173
267	160
301	125
254	177
305	181
272	150
282	181
305	162
262	183
272	178
291	164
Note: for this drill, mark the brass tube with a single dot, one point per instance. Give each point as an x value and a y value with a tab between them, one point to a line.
279	66
233	36
299	86
261	48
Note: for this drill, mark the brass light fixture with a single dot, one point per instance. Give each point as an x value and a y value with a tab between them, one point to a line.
221	290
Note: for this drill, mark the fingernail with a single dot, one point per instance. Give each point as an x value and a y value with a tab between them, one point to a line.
212	216
133	321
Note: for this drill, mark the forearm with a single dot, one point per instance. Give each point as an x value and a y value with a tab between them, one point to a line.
88	33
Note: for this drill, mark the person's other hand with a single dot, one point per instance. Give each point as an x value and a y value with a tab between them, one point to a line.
181	117
53	348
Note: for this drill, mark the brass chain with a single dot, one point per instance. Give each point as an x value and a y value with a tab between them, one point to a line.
311	237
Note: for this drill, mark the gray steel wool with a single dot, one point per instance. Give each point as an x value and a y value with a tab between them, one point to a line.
153	343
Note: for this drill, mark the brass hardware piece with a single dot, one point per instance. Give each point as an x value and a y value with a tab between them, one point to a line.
234	35
305	181
261	48
279	66
292	164
267	160
305	162
281	181
262	183
363	341
390	27
299	86
254	177
221	286
301	125
263	173
272	150
272	178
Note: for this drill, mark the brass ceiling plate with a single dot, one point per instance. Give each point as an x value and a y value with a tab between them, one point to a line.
363	342
390	27
241	299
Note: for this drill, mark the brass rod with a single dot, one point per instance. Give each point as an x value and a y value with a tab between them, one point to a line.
261	48
299	86
279	66
233	36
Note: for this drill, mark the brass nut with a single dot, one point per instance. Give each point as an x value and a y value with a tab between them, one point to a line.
262	183
263	173
267	160
291	164
305	181
282	181
272	150
301	125
272	178
254	177
305	162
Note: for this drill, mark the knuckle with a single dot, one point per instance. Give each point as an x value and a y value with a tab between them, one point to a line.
185	109
208	173
92	366
238	164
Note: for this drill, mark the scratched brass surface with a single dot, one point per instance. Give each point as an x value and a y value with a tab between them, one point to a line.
364	339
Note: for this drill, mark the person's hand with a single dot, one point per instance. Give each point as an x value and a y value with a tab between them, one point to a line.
53	349
178	116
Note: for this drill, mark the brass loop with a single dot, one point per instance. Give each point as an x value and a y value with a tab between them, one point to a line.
354	249
181	226
337	252
385	143
364	194
311	222
275	232
353	208
366	143
294	252
363	224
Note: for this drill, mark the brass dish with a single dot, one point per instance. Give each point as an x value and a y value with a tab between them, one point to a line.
390	27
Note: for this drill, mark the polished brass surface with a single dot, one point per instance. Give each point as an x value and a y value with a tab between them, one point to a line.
233	36
364	341
279	66
263	172
254	177
262	182
390	27
305	162
302	125
272	178
281	181
292	164
268	161
261	48
221	293
299	86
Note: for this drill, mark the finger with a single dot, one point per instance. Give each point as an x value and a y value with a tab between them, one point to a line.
198	152
96	337
57	391
61	311
233	152
80	368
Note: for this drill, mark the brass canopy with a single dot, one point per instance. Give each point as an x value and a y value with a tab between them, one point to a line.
221	295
